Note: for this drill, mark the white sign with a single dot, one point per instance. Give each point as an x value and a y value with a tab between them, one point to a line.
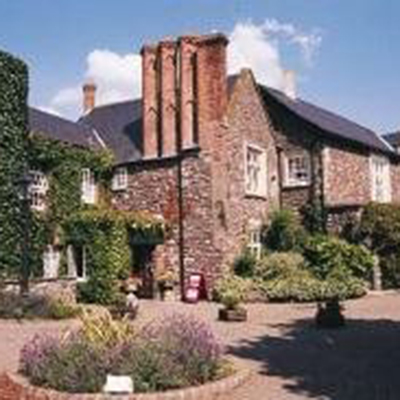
118	384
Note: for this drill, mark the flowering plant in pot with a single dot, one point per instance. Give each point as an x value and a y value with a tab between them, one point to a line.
166	282
231	291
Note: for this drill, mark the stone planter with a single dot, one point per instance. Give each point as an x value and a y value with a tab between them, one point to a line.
13	387
232	315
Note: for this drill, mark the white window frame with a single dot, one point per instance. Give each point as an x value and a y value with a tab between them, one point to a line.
72	267
291	178
255	167
88	186
38	188
120	179
51	262
381	190
254	244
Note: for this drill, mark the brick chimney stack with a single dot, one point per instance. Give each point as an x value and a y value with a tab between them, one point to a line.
150	102
194	67
89	97
167	53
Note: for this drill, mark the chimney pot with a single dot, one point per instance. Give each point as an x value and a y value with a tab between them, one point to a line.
289	85
89	97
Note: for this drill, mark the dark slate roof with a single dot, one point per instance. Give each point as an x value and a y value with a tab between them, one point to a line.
119	125
393	138
53	127
329	122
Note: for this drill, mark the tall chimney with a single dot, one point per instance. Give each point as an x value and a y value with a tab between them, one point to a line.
211	81
289	85
89	97
167	54
188	90
150	103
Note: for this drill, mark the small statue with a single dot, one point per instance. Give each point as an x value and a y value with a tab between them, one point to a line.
132	302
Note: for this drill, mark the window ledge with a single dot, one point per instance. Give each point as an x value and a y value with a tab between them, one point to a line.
255	196
296	185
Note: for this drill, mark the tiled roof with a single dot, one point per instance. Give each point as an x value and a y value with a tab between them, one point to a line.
119	125
328	122
393	138
53	127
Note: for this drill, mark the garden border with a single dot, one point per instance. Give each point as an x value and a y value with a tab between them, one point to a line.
14	387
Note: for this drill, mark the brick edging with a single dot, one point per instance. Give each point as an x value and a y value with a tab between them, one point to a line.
15	387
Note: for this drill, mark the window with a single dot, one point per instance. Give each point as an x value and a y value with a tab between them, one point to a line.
76	258
380	177
51	262
38	190
120	179
256	171
298	170
255	245
88	187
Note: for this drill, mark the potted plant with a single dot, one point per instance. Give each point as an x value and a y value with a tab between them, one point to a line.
231	292
166	281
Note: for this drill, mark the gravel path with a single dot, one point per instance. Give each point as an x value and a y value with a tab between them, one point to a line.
291	359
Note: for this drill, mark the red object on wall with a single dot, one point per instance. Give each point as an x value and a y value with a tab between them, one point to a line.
195	289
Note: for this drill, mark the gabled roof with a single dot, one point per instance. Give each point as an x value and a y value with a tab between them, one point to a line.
329	122
53	127
120	127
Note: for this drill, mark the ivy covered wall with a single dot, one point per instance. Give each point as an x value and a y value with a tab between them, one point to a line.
13	140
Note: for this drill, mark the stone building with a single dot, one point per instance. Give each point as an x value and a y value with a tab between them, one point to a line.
215	154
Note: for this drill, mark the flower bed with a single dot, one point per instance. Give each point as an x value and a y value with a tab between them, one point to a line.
175	353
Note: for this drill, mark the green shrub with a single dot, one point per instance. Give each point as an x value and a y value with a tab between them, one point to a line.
379	229
324	254
285	277
244	264
12	305
279	265
231	291
284	233
13	158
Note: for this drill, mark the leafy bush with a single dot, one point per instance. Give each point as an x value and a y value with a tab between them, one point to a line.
285	277
325	254
176	352
13	305
285	232
379	229
279	265
231	291
244	264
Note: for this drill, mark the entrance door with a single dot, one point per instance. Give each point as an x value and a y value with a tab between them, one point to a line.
142	268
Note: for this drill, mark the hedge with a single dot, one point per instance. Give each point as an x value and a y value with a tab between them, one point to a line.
13	157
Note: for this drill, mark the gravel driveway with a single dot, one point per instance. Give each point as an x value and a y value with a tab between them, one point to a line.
290	358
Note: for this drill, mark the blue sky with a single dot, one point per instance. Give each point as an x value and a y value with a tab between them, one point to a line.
346	53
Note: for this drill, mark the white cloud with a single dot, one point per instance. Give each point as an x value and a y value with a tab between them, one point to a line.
259	47
118	78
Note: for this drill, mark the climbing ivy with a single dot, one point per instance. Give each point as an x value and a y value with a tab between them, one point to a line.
13	134
106	235
62	164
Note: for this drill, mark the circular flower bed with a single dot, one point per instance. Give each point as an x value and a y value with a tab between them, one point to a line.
177	352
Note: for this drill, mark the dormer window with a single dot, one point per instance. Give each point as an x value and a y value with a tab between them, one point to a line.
88	187
120	179
38	190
